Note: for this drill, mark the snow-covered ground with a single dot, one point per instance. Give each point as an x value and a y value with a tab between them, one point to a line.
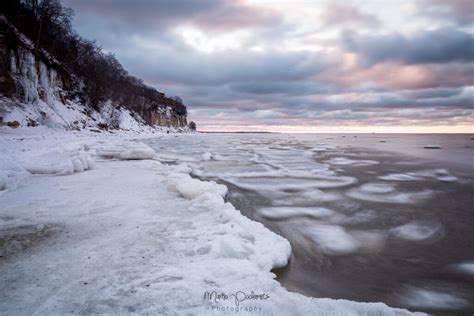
95	223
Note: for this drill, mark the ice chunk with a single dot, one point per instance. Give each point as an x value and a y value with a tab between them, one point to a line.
415	231
343	161
191	188
59	161
286	212
377	188
386	193
439	174
137	154
131	152
332	239
427	298
466	267
292	183
232	247
207	156
11	172
400	177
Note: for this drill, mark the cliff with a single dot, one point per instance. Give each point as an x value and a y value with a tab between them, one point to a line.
37	89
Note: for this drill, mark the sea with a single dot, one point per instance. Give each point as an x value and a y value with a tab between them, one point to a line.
370	217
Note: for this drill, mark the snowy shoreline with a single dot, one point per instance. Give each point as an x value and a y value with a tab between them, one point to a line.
120	232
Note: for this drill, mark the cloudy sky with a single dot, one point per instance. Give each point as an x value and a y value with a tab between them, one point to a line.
300	66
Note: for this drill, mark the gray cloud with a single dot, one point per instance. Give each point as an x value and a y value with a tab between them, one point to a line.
458	11
284	86
439	46
190	67
219	15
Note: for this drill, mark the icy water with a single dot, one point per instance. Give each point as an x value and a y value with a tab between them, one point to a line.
370	217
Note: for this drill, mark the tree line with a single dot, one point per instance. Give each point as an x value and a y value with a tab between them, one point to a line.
49	25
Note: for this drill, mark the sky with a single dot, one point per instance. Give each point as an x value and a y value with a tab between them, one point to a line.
298	66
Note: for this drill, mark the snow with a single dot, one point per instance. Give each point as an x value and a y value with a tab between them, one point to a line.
59	161
136	236
207	156
134	152
192	188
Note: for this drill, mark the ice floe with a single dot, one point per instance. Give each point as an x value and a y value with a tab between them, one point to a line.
465	267
431	298
438	174
386	193
343	161
400	177
191	188
416	231
207	156
132	152
287	212
331	239
287	183
59	161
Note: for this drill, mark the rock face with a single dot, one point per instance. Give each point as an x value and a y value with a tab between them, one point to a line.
26	79
165	116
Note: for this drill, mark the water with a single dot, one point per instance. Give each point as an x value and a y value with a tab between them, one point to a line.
369	217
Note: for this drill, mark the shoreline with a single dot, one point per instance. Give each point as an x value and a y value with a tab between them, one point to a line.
251	278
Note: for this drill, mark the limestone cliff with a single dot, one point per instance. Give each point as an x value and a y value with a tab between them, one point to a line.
37	89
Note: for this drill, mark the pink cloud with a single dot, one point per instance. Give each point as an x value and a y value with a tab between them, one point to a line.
336	14
393	75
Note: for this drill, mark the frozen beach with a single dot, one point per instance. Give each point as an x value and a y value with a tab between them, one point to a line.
94	223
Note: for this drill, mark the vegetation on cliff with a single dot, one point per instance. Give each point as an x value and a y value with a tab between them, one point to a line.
101	76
